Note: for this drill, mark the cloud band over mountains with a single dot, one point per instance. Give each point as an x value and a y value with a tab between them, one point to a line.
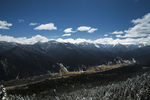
139	33
39	38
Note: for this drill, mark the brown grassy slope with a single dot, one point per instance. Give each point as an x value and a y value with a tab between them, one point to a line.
69	83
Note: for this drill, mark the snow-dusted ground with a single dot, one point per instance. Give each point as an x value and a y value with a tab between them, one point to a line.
137	88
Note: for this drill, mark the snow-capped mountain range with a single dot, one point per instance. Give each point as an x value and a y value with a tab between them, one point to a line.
33	59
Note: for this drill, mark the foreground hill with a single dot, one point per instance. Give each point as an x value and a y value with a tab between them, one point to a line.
128	82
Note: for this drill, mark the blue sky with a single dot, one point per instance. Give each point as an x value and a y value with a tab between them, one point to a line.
88	19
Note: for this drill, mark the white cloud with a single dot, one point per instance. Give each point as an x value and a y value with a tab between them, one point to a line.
49	26
133	35
144	19
68	30
92	30
32	24
67	34
74	41
141	27
126	41
83	28
117	32
118	35
105	35
24	40
86	28
5	25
